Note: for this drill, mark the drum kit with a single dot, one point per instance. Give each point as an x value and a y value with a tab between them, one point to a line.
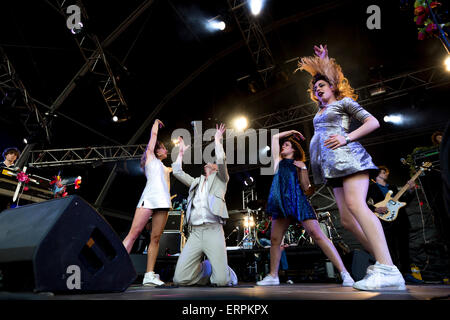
257	226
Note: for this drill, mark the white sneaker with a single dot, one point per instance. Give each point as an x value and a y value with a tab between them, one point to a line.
381	277
233	276
347	280
268	281
152	279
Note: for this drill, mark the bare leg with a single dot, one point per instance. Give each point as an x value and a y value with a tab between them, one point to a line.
159	220
349	222
140	219
279	227
313	229
355	193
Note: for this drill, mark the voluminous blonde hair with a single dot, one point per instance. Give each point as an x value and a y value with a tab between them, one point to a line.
326	68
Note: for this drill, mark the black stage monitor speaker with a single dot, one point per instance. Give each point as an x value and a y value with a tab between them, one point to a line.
360	261
171	242
61	245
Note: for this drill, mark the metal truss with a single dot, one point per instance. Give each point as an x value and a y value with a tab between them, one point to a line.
95	58
10	80
254	38
88	155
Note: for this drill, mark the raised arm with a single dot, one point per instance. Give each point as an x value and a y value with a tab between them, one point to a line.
153	137
275	147
221	160
178	172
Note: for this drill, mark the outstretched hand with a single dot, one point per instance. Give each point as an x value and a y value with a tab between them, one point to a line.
181	145
220	130
321	52
297	134
160	124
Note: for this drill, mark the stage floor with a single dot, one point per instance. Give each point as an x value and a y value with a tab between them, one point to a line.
249	291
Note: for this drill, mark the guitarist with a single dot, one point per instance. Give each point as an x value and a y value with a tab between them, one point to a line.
397	231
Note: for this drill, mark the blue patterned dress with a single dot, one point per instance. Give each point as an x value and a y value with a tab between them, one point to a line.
286	198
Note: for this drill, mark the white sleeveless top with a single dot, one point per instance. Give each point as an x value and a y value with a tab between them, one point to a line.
156	193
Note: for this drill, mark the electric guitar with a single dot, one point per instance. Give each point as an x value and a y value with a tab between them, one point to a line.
391	203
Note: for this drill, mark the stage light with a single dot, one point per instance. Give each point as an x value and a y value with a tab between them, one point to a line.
216	24
249	181
447	63
256	6
77	29
396	119
240	124
249	222
115	118
25	140
175	142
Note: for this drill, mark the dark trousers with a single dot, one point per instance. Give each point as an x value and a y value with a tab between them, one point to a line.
397	238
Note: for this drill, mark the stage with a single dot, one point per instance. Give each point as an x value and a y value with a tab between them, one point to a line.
249	291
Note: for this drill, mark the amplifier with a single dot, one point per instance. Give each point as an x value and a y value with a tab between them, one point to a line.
175	221
171	242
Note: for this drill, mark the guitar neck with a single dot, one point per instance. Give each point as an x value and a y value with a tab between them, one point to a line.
406	186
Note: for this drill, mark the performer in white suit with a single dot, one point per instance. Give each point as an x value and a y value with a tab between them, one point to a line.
205	215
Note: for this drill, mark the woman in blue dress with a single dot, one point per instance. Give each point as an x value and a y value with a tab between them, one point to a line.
342	162
288	204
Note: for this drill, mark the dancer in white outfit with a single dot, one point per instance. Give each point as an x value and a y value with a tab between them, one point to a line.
154	202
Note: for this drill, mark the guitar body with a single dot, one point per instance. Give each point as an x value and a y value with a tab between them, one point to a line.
392	206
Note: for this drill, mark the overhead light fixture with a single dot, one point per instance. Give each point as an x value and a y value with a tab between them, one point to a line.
240	123
249	181
394	118
77	29
256	6
447	63
216	23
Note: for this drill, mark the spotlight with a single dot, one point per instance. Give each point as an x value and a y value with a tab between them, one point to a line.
25	140
256	6
447	63
77	29
175	142
396	119
215	23
241	123
115	118
249	222
249	181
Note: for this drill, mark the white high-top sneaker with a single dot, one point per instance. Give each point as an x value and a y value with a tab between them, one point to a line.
269	281
152	279
347	280
233	278
381	277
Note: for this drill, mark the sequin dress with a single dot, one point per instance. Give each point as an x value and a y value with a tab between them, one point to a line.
286	198
156	192
345	160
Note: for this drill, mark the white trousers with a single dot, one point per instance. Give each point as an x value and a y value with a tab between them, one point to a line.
206	239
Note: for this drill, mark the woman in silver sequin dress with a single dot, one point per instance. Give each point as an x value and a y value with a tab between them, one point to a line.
336	158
